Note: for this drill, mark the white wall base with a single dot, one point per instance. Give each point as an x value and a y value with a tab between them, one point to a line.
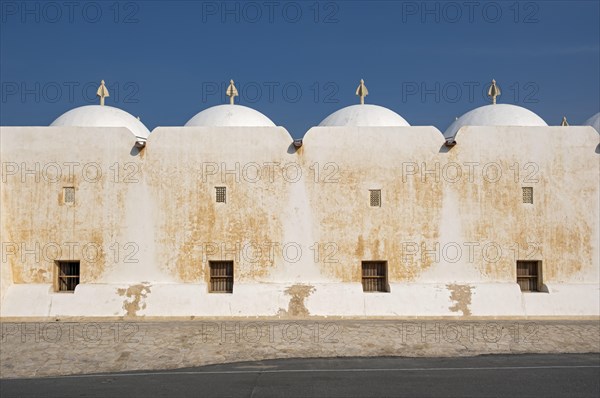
342	299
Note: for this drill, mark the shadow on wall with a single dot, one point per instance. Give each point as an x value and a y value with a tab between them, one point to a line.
295	146
135	150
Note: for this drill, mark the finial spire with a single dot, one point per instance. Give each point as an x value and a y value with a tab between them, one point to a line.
494	91
362	91
231	92
102	92
564	121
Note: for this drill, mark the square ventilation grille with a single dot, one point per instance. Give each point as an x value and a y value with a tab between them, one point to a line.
221	194
69	195
528	195
375	197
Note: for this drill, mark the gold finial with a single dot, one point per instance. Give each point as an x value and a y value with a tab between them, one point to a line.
231	92
494	91
102	92
564	121
362	91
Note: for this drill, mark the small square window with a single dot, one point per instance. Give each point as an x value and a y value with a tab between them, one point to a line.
67	276
374	276
221	276
375	197
529	275
69	195
528	195
221	194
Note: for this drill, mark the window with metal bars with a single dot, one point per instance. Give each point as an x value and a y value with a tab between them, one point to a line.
375	197
221	276
221	194
67	276
528	195
69	195
529	275
374	276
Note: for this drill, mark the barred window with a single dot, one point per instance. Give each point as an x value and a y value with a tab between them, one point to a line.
528	195
67	276
375	197
529	276
221	276
221	193
374	276
69	195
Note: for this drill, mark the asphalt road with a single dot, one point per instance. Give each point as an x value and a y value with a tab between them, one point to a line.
563	375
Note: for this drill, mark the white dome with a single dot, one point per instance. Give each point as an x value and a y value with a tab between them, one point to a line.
496	115
230	115
594	121
364	116
101	116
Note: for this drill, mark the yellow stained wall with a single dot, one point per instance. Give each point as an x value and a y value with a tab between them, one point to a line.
162	201
37	227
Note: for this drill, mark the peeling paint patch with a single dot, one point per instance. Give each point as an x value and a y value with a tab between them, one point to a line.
40	275
296	306
135	295
461	295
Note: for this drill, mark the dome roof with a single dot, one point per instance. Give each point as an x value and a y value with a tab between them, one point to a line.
101	116
364	115
230	115
496	115
594	121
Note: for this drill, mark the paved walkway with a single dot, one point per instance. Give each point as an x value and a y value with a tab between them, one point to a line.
61	348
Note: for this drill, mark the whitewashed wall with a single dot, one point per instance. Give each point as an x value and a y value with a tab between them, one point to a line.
451	240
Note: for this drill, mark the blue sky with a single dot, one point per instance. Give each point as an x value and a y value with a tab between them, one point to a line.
298	61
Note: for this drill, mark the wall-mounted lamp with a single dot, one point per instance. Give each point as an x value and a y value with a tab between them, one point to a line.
450	142
297	143
140	142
